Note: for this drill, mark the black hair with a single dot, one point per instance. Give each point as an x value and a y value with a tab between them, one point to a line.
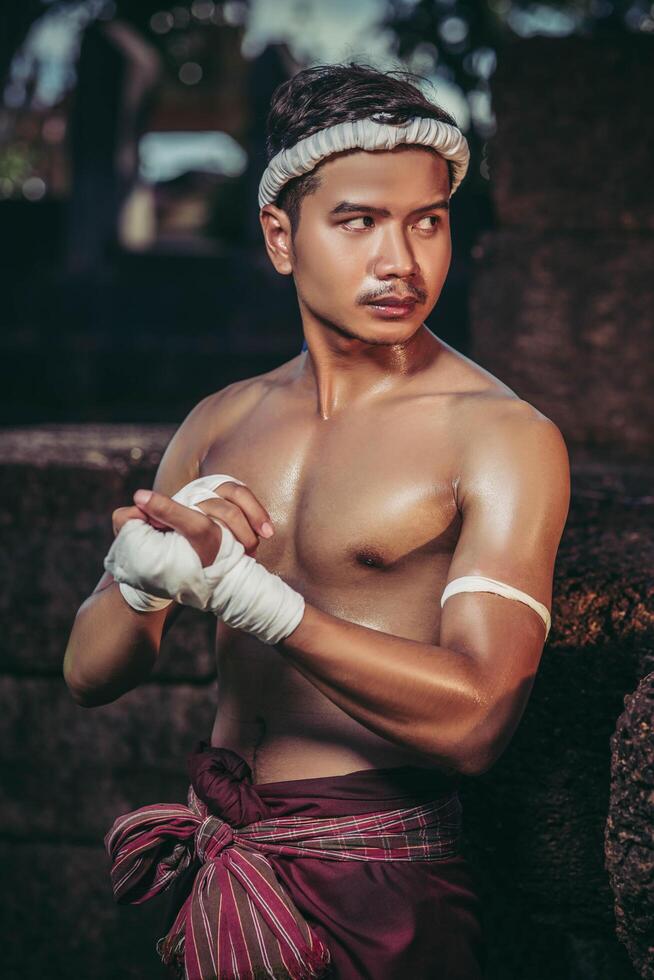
325	95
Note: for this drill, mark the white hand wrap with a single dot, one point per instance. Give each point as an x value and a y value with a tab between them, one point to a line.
234	587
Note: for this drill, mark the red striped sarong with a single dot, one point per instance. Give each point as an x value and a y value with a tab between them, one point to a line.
238	920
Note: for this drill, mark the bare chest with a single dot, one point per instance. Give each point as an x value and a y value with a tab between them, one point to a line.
348	498
365	525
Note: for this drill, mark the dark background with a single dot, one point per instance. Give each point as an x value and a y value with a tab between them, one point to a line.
134	282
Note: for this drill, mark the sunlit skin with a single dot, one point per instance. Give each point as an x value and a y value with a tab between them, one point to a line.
341	261
387	464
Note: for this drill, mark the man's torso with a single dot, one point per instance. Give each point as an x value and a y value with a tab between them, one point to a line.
366	522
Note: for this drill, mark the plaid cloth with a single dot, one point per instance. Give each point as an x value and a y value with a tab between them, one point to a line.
238	921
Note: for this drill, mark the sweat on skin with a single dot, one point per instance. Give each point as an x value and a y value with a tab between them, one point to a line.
440	467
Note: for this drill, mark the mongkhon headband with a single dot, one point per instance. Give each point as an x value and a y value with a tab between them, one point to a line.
364	134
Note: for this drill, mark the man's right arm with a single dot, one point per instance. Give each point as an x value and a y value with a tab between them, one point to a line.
112	648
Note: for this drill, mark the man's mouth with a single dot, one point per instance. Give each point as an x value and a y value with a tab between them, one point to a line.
394	301
393	306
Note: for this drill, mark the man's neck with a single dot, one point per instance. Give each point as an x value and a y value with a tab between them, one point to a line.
342	372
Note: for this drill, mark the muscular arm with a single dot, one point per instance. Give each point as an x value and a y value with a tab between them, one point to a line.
460	701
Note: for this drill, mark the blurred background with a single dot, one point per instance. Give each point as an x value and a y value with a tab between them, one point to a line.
131	146
134	282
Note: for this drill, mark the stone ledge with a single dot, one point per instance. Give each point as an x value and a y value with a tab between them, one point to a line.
119	447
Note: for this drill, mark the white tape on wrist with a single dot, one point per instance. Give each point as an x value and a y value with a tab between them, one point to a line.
234	587
142	601
189	495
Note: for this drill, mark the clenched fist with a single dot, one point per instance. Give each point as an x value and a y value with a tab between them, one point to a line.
236	508
200	562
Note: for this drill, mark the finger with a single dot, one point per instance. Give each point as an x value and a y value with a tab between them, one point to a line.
253	509
234	518
159	507
197	528
159	525
121	515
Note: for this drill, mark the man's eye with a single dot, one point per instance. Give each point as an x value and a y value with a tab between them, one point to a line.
433	218
430	217
365	217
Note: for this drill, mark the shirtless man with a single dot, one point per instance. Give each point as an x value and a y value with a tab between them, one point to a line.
388	465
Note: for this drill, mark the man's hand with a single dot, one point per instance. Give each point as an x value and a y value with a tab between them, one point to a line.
202	564
238	509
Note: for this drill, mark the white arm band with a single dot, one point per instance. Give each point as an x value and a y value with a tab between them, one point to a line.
479	583
235	586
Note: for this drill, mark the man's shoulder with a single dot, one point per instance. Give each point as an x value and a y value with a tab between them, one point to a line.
211	420
501	435
511	449
228	405
504	429
483	401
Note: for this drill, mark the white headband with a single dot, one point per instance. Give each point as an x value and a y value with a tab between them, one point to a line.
366	134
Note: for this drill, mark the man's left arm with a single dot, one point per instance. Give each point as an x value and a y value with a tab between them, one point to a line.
460	702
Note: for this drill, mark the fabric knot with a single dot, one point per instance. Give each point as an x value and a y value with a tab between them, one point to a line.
223	781
212	836
238	920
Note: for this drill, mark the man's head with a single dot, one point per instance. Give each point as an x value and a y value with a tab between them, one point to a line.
397	242
326	95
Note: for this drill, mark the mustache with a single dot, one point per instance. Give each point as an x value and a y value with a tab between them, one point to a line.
415	295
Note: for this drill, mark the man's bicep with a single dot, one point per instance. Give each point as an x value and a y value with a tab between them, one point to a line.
513	496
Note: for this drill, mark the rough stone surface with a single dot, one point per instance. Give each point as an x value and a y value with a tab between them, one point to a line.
566	321
57	898
58	488
574	146
153	725
604	587
629	834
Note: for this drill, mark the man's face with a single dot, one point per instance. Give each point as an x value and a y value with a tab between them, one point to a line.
347	254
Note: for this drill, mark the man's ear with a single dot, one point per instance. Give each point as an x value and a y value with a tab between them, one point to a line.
277	237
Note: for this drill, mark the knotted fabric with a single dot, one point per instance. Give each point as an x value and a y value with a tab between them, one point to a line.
238	920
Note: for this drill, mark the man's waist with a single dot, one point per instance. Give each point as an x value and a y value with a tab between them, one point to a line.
284	751
231	830
424	832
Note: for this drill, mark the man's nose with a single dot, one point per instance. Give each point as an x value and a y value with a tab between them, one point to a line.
395	256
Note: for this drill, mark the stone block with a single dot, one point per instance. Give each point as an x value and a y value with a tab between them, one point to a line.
566	322
68	771
574	145
58	488
629	832
152	725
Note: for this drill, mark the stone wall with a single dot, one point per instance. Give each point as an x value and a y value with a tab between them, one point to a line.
562	297
561	310
68	771
534	823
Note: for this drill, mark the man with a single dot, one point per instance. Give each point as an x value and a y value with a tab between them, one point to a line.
321	509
